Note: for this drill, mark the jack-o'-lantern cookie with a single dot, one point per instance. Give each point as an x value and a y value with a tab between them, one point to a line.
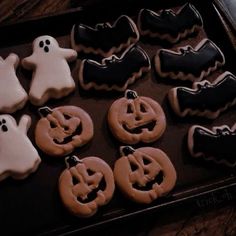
133	119
86	185
18	157
62	129
12	95
144	174
52	76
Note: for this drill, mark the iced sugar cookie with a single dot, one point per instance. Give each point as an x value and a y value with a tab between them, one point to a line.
60	130
189	63
133	119
114	73
86	185
105	39
144	174
169	25
52	75
12	95
205	98
18	157
217	144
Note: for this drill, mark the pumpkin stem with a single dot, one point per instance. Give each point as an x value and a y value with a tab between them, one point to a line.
72	161
130	94
126	150
44	111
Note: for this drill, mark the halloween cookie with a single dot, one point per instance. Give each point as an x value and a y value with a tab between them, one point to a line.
62	129
86	185
18	157
217	145
189	63
52	75
105	39
12	95
144	174
114	73
169	25
205	98
133	119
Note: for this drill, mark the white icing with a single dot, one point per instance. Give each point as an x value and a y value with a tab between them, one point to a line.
12	94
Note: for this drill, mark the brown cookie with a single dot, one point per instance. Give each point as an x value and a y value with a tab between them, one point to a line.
144	174
62	129
133	119
86	185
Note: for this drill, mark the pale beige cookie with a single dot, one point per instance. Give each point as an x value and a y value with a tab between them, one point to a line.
52	76
133	119
144	174
18	157
86	185
12	95
62	129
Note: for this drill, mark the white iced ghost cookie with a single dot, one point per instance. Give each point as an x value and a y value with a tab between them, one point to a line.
52	76
12	95
18	157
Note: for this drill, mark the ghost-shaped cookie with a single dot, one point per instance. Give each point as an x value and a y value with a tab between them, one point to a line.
12	95
52	76
18	157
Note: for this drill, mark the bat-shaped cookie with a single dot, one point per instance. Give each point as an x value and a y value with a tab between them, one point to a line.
189	63
205	98
217	144
169	25
114	73
105	39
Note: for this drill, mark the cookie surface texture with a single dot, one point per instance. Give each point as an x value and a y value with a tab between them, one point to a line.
18	157
62	129
144	174
12	95
52	76
86	185
133	119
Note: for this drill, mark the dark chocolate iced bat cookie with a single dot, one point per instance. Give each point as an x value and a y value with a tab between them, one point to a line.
205	98
217	144
189	63
114	73
105	39
169	25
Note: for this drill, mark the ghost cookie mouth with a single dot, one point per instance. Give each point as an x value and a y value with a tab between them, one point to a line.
137	130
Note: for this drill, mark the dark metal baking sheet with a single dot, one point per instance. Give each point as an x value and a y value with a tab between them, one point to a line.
33	206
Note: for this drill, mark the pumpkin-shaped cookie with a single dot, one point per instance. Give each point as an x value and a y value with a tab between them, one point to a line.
62	129
86	185
133	119
144	174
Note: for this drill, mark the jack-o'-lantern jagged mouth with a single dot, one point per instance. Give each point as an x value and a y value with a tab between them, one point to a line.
158	179
93	194
138	130
69	138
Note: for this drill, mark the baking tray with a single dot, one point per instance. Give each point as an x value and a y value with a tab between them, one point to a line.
33	206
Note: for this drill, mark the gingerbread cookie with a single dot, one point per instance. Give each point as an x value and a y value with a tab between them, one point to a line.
134	119
52	75
189	63
18	157
62	129
86	185
205	98
12	95
105	39
217	145
144	174
114	73
169	25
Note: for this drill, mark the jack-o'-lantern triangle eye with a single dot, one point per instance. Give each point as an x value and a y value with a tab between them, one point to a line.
129	109
146	161
133	166
142	108
75	180
53	125
67	117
